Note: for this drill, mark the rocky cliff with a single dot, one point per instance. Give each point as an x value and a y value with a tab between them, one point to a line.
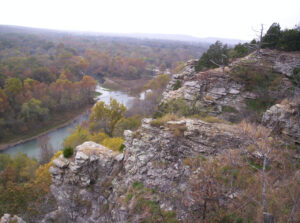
150	178
232	94
153	179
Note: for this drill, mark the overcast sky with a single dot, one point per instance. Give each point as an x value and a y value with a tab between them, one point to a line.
209	18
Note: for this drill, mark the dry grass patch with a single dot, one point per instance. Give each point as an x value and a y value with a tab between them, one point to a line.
212	119
163	120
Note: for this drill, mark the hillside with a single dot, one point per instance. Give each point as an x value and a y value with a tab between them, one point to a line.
195	164
218	141
44	74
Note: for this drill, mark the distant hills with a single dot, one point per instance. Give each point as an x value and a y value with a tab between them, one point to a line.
176	37
171	37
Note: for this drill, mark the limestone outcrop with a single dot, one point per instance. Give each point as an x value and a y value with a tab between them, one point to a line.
227	96
211	91
81	185
285	119
282	62
97	184
7	218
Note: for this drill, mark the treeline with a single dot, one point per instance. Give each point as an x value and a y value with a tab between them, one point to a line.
220	54
287	40
110	56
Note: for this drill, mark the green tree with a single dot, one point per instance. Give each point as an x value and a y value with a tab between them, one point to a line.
33	110
218	53
158	83
272	36
43	74
290	40
239	50
107	116
13	86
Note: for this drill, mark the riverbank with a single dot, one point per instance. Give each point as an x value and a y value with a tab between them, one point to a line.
48	127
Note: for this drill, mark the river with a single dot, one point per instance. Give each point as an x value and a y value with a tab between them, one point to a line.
56	137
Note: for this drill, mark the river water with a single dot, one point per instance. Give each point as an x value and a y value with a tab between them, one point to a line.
56	137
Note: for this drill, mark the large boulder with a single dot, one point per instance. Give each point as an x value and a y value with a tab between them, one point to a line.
284	118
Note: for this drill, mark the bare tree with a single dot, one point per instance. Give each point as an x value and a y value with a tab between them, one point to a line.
259	36
222	65
261	140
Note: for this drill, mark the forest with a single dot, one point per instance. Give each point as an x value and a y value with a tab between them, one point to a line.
46	74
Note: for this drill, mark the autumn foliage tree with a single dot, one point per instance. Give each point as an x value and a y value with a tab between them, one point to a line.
107	116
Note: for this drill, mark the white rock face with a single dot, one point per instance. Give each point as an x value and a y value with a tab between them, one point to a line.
283	62
284	118
7	218
92	187
213	90
80	183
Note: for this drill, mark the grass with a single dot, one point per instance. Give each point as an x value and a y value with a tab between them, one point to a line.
212	119
105	207
137	185
128	198
145	203
258	105
229	109
194	162
178	130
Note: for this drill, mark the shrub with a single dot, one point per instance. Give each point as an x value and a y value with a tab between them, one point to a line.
296	70
177	85
121	148
68	152
113	143
131	123
259	105
254	77
295	77
175	106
